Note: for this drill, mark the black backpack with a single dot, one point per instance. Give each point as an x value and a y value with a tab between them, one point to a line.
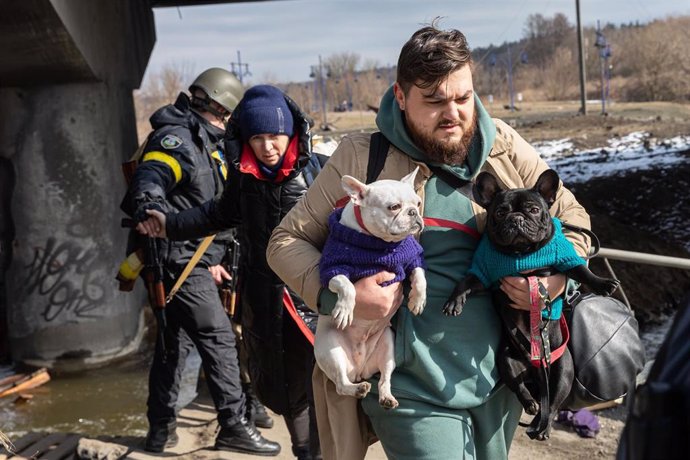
658	423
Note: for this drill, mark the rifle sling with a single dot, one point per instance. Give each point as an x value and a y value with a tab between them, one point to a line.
190	266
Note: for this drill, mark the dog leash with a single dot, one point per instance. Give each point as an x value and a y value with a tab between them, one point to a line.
294	314
541	354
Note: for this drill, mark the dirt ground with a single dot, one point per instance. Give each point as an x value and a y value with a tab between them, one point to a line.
565	444
197	429
541	121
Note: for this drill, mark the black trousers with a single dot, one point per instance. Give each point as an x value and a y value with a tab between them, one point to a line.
195	317
301	416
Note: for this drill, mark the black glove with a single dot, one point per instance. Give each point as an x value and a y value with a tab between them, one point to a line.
140	214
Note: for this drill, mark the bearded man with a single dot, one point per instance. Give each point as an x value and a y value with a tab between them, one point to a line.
452	404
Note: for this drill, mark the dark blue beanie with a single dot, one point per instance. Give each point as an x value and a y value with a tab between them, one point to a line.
264	111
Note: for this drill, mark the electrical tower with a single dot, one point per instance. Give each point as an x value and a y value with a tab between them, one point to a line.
239	68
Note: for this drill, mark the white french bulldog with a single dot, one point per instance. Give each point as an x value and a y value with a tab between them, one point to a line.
372	233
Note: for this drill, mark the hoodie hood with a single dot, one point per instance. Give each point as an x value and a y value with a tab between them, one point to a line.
391	122
181	114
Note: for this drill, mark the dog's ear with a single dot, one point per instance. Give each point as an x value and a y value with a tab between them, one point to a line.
409	179
355	189
485	189
547	186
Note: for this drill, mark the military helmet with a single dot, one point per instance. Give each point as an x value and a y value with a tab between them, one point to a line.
221	86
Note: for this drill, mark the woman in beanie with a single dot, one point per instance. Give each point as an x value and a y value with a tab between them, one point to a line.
268	147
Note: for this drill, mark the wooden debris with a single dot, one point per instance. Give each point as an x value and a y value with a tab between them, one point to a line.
23	381
43	446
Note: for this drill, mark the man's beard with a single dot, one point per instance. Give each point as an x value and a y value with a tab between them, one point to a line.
444	151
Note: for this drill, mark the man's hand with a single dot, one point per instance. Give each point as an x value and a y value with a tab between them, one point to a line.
374	301
154	226
517	289
219	273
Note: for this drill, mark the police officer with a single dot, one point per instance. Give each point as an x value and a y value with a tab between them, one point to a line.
182	166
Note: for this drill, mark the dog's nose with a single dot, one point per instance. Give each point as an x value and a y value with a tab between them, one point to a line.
412	212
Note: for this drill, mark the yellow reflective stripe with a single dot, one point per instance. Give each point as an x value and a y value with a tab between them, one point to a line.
221	163
168	160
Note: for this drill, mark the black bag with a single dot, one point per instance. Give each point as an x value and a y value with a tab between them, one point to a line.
606	349
658	423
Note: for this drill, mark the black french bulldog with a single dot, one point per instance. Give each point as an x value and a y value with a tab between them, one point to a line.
522	238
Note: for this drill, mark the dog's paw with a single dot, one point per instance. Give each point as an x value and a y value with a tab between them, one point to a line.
342	314
388	402
534	433
532	407
417	303
606	286
362	390
454	306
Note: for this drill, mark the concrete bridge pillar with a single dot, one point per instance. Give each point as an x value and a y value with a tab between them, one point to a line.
66	123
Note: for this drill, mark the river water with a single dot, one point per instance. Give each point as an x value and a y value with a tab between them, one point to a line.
106	401
110	400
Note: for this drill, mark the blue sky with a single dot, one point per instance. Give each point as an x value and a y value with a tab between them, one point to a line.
282	39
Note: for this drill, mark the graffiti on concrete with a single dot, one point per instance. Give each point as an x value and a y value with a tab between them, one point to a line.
65	274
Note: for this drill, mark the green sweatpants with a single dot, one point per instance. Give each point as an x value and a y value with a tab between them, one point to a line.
416	430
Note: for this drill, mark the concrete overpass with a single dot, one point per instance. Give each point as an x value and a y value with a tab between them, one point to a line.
66	123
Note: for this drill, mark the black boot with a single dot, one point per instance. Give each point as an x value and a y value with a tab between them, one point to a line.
244	437
301	453
256	412
161	437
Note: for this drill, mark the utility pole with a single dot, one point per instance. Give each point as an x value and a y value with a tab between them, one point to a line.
604	55
507	60
318	76
239	69
581	60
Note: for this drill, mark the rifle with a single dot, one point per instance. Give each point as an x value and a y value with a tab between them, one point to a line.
229	287
153	276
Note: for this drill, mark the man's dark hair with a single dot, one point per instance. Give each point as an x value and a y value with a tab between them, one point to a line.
430	55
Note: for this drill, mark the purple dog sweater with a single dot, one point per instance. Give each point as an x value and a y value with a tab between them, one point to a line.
357	255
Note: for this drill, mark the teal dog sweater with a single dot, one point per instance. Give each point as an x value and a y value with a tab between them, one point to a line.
490	265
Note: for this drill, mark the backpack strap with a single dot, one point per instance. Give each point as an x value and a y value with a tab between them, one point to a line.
596	245
378	151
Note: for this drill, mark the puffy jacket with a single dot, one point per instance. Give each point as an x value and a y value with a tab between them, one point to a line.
181	167
256	206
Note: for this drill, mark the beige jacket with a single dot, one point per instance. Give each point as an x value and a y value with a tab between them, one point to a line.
295	245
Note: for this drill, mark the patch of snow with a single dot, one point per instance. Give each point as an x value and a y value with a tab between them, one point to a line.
634	152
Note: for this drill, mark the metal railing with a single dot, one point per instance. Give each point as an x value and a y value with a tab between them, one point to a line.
642	258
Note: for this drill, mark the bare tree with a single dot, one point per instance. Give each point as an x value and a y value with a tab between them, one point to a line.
159	89
545	35
558	78
656	59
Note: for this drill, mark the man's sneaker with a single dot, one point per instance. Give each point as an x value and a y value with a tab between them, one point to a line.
244	437
161	437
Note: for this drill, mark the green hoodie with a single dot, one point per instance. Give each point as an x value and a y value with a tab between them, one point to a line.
443	360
